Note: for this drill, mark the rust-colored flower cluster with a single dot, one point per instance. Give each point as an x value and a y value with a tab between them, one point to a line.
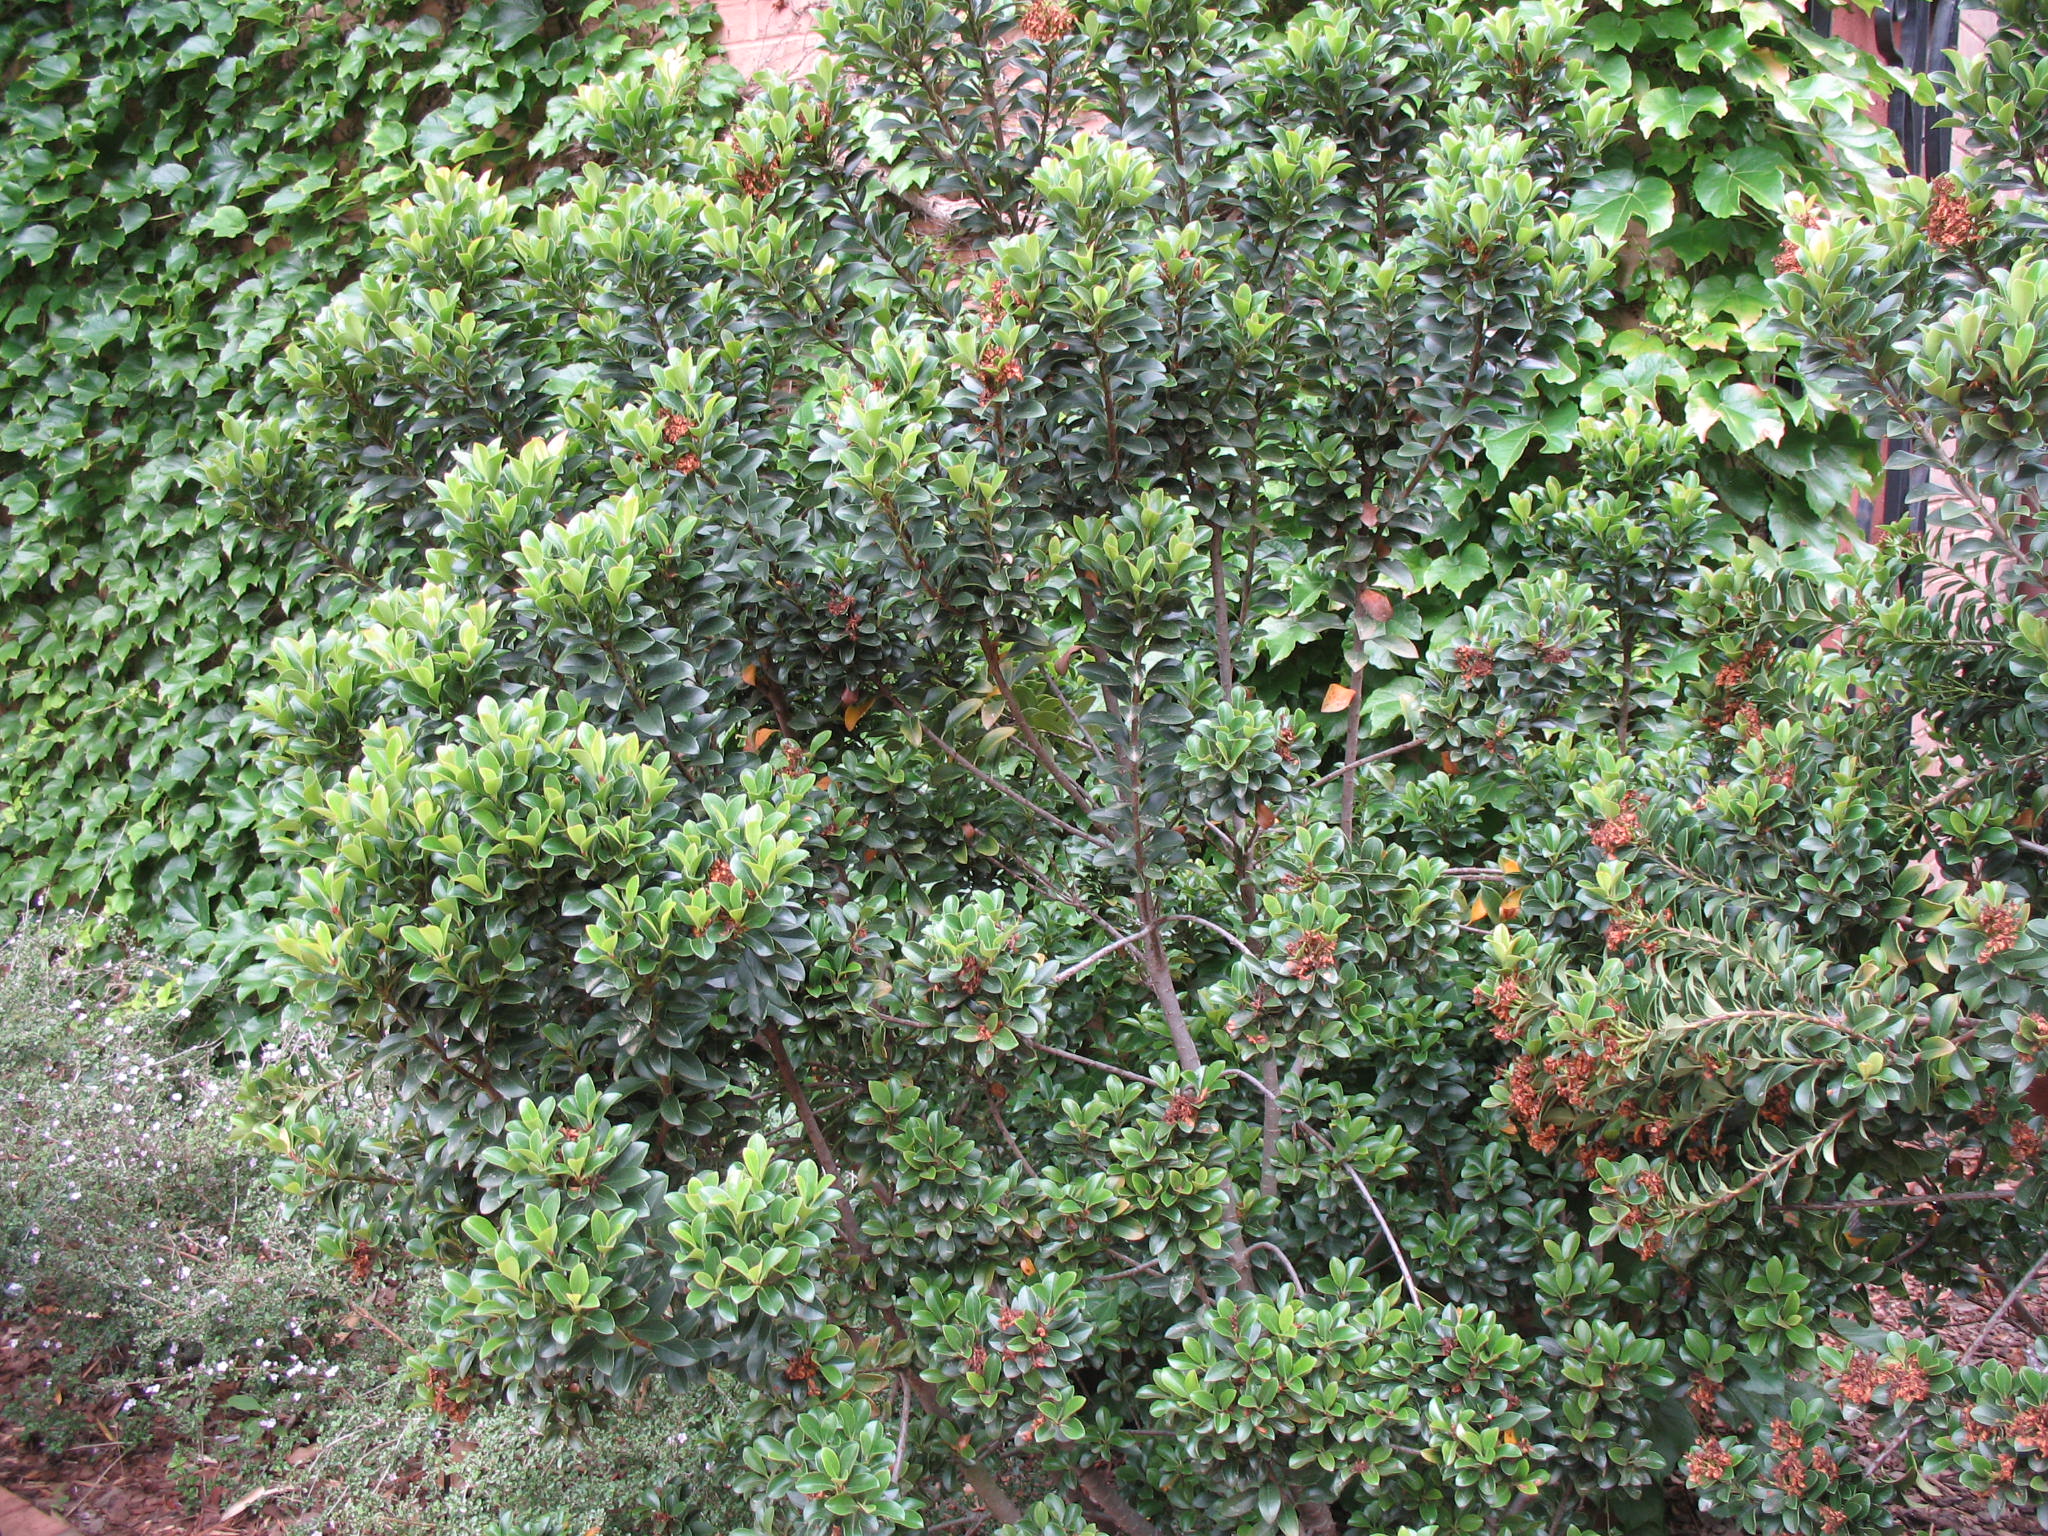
1708	1463
1047	21
1950	224
1999	922
1504	1002
1866	1375
760	180
1628	926
1311	954
675	427
443	1400
841	606
1617	832
801	1367
997	369
1473	662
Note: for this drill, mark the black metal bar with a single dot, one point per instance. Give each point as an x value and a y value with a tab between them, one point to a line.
1913	35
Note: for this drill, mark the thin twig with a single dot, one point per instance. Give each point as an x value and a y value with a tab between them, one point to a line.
1101	954
1361	762
996	1114
1976	1344
902	1429
1001	788
1135	1269
1285	1263
1854	1205
1089	1061
1378	1215
1202	922
1984	1329
355	1310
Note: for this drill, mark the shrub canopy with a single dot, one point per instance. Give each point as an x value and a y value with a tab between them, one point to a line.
863	856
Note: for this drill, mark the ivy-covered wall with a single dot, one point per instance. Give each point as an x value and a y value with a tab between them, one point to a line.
183	184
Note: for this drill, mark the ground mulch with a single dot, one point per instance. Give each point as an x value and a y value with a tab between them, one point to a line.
1945	1507
98	1485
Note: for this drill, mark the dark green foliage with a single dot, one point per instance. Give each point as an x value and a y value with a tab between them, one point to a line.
183	184
822	866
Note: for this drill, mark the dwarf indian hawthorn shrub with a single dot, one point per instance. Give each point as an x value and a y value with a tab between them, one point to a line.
836	887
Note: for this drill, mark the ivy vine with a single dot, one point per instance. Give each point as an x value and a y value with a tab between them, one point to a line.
183	186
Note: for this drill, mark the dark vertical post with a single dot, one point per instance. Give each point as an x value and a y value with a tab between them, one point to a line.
1913	35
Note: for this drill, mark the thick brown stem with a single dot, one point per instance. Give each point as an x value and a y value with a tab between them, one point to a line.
1347	820
1628	671
1269	1135
1159	977
1219	590
1100	1488
785	1070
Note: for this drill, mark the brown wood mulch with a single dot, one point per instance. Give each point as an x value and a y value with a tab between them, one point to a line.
99	1487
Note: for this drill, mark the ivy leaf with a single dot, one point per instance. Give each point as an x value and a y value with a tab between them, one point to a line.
1748	414
35	243
1670	110
512	21
1616	197
1755	172
1607	32
1279	634
1697	240
438	133
387	140
1505	445
227	221
1453	573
